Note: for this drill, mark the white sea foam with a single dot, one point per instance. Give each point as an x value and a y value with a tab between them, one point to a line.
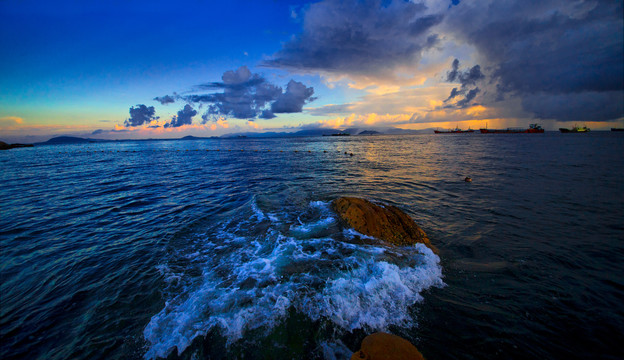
312	227
256	274
257	212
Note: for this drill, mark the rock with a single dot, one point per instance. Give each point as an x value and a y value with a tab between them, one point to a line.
383	346
385	222
5	146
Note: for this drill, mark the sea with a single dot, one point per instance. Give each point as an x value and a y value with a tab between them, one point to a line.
229	248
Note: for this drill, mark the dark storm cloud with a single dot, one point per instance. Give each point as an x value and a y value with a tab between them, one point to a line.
547	51
140	115
293	99
468	98
247	96
452	75
102	131
549	48
471	76
359	37
467	79
454	93
585	106
164	100
184	117
267	114
235	80
244	95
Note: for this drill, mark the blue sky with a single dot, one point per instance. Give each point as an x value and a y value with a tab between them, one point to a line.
79	67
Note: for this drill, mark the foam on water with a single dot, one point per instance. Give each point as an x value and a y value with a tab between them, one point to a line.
252	269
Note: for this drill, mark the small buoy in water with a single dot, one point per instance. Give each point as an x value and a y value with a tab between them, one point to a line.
324	151
351	154
468	179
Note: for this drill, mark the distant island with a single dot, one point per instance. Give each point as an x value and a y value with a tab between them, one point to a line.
270	134
333	132
370	132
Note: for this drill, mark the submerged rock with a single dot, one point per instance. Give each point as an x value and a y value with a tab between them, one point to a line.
383	346
385	222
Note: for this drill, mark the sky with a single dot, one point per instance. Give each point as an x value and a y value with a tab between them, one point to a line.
153	69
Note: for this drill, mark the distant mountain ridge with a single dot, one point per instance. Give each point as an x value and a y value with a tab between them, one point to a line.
269	134
321	132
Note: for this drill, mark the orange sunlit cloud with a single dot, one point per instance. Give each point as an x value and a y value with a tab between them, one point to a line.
10	122
222	122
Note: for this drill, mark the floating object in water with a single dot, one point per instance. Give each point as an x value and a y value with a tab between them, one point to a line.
468	179
351	154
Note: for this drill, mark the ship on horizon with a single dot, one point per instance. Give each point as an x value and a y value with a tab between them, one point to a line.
533	129
575	129
457	130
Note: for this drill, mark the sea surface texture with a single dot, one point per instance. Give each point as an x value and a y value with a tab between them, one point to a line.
228	248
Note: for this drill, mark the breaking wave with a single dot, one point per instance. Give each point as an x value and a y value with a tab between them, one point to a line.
246	273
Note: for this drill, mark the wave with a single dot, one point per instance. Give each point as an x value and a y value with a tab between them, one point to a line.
250	270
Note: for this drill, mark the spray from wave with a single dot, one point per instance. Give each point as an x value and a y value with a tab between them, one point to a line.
248	272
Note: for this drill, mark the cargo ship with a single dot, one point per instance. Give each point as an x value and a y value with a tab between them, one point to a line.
453	131
533	129
575	129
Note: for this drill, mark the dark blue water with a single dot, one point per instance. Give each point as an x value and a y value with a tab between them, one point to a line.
228	248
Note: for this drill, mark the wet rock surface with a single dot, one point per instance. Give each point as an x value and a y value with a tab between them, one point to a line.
385	222
384	346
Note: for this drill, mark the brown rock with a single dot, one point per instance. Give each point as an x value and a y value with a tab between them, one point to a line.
383	346
385	222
